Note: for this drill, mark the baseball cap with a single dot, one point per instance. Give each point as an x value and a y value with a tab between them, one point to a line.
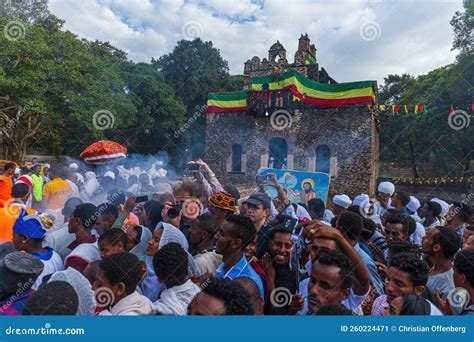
260	198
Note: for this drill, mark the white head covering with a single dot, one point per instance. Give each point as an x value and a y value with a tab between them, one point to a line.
414	204
109	174
82	286
91	185
17	171
173	234
140	248
363	201
73	166
386	188
342	200
444	205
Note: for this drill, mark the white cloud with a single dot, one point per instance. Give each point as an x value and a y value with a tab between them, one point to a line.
414	37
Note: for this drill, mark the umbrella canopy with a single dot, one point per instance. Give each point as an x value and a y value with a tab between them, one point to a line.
103	152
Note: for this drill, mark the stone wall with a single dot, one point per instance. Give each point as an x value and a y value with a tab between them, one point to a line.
348	131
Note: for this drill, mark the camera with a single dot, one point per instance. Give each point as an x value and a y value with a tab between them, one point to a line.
173	212
194	167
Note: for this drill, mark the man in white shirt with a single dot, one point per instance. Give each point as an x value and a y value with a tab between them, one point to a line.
430	213
115	286
385	192
171	267
420	232
58	237
439	247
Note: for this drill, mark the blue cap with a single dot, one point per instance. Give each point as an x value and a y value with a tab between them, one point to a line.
29	225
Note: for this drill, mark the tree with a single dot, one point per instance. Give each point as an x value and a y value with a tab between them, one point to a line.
159	112
34	12
463	27
51	86
193	69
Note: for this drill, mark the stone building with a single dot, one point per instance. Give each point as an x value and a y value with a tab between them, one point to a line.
278	129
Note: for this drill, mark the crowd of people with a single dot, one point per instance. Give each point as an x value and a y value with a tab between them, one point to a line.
129	241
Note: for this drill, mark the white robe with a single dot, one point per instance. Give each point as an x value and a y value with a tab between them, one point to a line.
50	266
175	300
207	262
133	305
87	251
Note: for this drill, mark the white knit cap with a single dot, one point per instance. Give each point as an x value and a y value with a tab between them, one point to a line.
342	201
109	174
363	201
414	204
73	166
386	188
444	205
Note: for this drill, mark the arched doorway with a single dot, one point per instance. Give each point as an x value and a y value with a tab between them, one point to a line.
323	159
278	153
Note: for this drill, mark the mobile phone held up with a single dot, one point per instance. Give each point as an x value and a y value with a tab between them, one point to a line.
141	199
261	179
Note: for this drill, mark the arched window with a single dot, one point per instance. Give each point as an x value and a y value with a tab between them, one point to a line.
278	153
236	158
323	158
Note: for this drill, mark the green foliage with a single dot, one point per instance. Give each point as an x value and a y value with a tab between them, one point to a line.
193	69
159	111
433	139
57	82
463	27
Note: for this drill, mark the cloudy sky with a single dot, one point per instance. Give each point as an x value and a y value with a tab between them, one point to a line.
356	40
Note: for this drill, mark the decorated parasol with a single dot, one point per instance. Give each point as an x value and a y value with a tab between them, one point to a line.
103	152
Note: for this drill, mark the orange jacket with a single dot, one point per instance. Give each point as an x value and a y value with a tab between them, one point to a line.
6	185
8	216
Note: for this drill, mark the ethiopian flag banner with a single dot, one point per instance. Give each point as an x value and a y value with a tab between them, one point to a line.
309	91
227	102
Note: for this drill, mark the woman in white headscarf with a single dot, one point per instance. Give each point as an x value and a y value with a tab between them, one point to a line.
164	234
138	238
82	287
91	185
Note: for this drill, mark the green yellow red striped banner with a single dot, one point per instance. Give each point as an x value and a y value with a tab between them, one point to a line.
227	102
309	91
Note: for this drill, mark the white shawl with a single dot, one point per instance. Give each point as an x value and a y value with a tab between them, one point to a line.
175	300
133	305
